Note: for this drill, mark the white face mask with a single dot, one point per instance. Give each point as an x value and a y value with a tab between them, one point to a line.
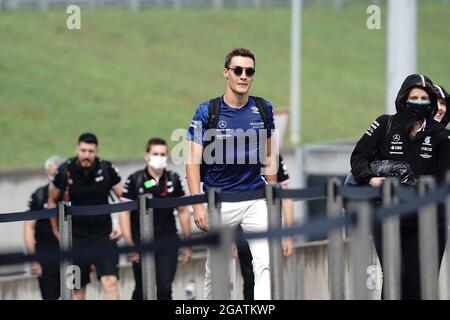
157	163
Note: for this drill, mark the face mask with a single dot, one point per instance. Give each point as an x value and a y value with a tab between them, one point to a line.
420	109
157	163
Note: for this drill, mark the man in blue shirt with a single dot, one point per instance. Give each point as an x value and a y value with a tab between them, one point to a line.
237	159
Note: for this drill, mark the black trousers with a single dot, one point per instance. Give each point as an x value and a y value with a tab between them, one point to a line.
246	264
409	248
49	280
166	266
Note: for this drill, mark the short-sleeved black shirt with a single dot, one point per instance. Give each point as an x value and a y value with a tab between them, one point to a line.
43	233
169	186
88	188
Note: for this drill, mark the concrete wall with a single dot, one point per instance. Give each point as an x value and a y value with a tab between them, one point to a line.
310	262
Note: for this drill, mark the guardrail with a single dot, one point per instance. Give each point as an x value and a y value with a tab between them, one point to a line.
356	219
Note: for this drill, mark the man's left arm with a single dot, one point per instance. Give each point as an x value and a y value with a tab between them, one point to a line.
288	214
184	216
270	168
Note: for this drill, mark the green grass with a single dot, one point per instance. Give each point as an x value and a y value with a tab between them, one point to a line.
128	76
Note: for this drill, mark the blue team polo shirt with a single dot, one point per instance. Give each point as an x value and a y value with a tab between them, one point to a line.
237	147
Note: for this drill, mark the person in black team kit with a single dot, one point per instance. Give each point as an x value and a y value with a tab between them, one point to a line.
413	137
39	238
161	183
87	180
242	250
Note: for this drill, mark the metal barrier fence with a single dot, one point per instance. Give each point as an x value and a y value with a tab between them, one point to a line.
357	220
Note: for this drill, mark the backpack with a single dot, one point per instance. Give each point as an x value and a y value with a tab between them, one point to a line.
350	178
213	118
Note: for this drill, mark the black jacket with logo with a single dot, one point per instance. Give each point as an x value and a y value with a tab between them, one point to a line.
428	152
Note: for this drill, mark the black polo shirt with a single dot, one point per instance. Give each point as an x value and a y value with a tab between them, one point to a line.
88	188
43	233
140	182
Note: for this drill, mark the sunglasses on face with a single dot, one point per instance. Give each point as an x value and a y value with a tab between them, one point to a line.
249	72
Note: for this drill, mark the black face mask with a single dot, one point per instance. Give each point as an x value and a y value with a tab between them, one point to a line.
412	112
420	109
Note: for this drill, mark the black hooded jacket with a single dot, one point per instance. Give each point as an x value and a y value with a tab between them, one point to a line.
443	94
428	152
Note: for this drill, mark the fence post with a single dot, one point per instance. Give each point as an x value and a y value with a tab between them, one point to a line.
300	293
147	257
360	249
275	244
65	245
335	242
220	254
428	243
290	283
391	244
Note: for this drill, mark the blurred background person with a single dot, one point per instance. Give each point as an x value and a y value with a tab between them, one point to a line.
88	180
39	237
155	179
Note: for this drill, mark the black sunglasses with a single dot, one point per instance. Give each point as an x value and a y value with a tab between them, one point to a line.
238	71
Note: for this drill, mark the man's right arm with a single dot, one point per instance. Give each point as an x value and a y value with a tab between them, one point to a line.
194	159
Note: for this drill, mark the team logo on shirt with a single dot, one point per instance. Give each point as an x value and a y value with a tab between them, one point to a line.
396	145
255	110
257	125
426	147
222	124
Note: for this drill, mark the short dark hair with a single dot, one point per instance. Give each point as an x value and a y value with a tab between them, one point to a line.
239	52
88	138
155	141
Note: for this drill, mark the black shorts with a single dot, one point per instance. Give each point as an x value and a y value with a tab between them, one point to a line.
105	265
